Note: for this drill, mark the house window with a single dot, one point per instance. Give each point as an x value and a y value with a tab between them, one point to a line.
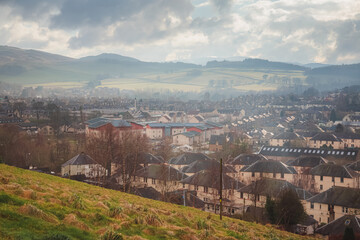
342	179
183	185
321	187
333	179
274	175
282	175
321	178
312	205
320	205
253	174
241	195
312	177
319	220
145	179
153	181
345	210
206	189
196	188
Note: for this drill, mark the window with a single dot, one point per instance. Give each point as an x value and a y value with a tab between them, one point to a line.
282	175
342	179
206	189
312	177
183	185
153	181
145	179
333	179
274	175
197	188
345	210
241	195
320	206
253	174
321	178
321	187
312	205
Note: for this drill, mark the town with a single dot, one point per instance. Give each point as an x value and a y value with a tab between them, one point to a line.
271	145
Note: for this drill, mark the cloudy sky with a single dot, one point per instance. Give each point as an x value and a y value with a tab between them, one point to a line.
301	31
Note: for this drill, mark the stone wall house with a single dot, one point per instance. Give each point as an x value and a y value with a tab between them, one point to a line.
334	203
82	164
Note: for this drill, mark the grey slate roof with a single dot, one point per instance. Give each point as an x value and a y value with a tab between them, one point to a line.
296	152
161	172
347	135
354	166
338	226
288	136
339	196
145	158
306	161
200	165
247	159
188	158
273	188
269	166
98	122
80	159
209	179
333	170
326	137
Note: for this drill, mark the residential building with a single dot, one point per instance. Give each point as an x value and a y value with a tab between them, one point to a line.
287	138
328	175
326	139
267	169
186	159
82	164
334	203
337	228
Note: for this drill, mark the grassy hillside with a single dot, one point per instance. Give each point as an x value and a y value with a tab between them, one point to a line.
39	206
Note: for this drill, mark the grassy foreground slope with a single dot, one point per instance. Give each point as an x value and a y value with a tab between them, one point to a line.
40	206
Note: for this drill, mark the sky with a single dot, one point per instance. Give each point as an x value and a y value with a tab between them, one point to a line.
297	31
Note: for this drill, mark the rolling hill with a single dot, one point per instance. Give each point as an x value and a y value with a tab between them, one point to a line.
39	206
32	68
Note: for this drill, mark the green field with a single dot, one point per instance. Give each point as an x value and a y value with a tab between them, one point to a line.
40	206
67	76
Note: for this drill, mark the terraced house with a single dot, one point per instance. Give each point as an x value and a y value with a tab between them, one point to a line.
267	169
334	203
326	176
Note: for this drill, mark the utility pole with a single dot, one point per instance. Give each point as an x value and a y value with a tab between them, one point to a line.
221	209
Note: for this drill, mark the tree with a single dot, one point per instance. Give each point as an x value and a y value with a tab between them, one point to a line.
20	106
333	116
270	207
289	208
37	106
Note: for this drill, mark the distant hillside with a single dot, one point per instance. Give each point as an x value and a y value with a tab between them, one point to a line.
336	76
12	55
315	65
40	206
255	64
108	57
